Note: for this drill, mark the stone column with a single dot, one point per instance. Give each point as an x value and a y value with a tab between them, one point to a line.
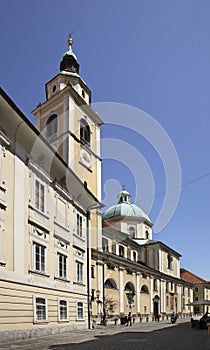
138	292
121	289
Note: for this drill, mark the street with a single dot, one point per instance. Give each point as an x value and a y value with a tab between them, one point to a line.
148	336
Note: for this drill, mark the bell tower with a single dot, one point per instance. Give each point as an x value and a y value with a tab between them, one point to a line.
69	124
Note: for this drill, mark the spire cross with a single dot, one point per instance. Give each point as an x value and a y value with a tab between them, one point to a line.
70	40
123	187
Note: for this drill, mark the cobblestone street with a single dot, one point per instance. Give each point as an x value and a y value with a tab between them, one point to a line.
152	335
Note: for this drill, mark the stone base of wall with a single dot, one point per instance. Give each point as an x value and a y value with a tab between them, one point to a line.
36	333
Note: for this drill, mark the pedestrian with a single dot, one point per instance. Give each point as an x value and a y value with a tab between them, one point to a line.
158	317
129	319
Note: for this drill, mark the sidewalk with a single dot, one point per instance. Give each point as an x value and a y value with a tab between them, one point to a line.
44	343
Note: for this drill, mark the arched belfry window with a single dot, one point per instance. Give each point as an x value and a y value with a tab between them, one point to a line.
51	129
84	132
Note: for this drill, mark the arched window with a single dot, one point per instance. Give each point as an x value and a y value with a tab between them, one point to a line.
84	132
110	283
147	234
144	289
129	287
51	128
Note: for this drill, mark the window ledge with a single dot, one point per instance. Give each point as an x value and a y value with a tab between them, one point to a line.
35	272
40	321
79	283
81	238
63	279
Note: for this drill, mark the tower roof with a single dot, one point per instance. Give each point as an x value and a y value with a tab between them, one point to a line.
125	208
69	62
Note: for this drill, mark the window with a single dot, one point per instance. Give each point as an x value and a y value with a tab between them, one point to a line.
40	313
131	231
79	272
84	132
167	301
196	289
128	253
121	250
62	265
110	284
155	284
92	272
39	195
144	289
146	234
134	256
196	298
105	245
170	260
51	128
80	311
39	257
114	247
63	310
167	287
188	292
183	303
79	225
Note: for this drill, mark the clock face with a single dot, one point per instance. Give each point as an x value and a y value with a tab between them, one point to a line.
85	158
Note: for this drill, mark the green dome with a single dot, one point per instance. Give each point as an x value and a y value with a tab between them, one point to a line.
124	208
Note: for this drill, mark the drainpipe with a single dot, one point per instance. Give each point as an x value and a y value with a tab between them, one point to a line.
88	270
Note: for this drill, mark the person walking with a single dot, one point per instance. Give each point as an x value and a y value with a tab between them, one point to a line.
129	319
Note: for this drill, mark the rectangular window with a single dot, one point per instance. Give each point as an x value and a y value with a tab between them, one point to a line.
80	311
39	257
40	309
79	272
121	250
92	272
155	284
63	310
39	196
134	256
79	225
62	266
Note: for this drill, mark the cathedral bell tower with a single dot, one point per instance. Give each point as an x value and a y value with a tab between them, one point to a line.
69	124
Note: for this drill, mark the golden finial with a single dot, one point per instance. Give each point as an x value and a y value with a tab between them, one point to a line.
70	40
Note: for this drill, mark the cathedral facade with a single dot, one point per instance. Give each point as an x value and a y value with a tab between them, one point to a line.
135	273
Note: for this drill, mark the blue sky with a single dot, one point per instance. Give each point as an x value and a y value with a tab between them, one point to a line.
153	55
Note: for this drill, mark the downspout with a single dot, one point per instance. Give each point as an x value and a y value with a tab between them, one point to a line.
88	270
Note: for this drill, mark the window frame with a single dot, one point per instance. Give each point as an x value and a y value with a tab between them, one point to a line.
79	273
64	266
51	123
35	245
40	206
84	132
81	308
35	304
60	319
79	229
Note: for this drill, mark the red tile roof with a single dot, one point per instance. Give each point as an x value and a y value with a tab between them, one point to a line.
191	277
